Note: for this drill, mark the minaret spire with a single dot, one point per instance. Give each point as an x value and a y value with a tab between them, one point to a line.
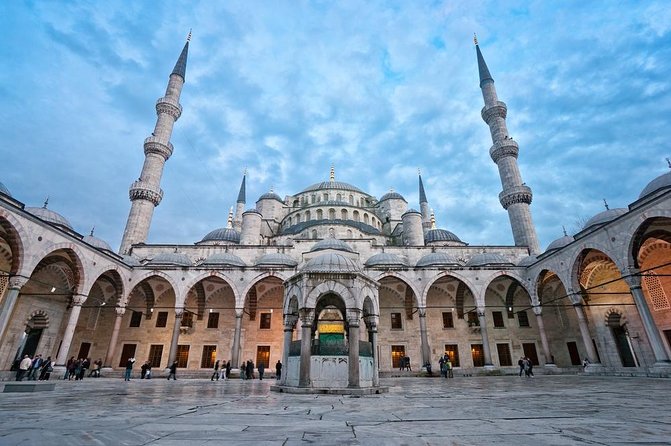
240	204
516	195
145	193
424	205
332	174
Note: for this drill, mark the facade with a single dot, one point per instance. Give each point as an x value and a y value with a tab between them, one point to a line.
332	262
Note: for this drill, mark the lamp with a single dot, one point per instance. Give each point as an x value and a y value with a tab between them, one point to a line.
53	288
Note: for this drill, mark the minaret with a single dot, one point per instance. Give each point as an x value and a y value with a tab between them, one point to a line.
145	193
424	205
240	205
516	195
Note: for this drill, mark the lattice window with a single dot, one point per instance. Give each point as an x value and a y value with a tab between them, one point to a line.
4	283
653	285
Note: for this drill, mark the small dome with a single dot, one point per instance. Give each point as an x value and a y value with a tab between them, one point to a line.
50	217
440	235
170	258
385	259
223	258
661	182
96	242
331	262
276	259
222	235
560	243
131	261
488	259
4	190
270	196
392	196
331	243
331	185
411	211
604	217
438	259
527	261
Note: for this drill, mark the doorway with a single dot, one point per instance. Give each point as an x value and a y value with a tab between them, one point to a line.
32	340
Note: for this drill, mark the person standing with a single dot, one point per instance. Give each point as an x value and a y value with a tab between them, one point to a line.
216	371
262	369
529	368
228	370
448	365
173	371
47	368
24	366
129	369
443	367
243	370
143	370
250	369
34	367
278	370
521	364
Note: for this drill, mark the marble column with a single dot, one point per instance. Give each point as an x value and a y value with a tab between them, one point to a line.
307	317
289	324
172	356
371	324
77	302
656	342
353	320
8	303
584	332
115	335
544	338
485	338
235	352
424	338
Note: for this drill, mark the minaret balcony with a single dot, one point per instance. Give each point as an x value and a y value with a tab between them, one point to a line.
141	190
154	145
515	194
498	110
170	106
503	148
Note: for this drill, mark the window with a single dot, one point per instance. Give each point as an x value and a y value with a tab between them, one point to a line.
397	354
332	214
209	356
504	355
307	216
473	320
155	354
128	351
298	219
182	356
452	351
498	319
523	318
448	321
135	319
320	214
162	319
213	320
343	214
396	323
478	355
265	321
187	319
263	355
653	286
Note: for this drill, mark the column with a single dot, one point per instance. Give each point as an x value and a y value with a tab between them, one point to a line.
172	356
586	337
7	304
426	355
353	320
235	353
77	301
371	323
307	317
634	282
115	335
289	323
544	339
485	338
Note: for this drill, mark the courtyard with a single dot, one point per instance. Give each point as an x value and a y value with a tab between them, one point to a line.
553	410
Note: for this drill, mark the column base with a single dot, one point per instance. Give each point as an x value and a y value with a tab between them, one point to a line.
550	366
59	371
596	368
661	369
490	367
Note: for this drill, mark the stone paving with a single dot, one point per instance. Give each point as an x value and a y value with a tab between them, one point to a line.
501	410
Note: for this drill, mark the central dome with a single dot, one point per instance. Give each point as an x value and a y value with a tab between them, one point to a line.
331	243
332	185
331	262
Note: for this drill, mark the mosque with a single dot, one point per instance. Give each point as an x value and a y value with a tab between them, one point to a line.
334	272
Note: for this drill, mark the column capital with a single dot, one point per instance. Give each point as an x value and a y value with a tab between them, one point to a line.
17	282
481	312
179	312
239	312
633	278
371	322
120	311
307	316
290	321
421	311
353	317
537	309
78	299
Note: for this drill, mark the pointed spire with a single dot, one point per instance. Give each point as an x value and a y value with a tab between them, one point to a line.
422	194
605	203
180	66
482	66
433	220
46	202
243	192
332	174
92	229
564	229
668	162
229	223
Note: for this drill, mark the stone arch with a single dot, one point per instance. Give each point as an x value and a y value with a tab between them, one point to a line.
74	257
639	230
451	274
113	278
419	301
162	275
580	255
38	319
512	276
330	286
15	236
240	299
614	318
368	294
207	275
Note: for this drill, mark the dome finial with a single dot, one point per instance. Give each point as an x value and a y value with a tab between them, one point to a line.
46	202
92	229
229	224
433	220
188	38
272	189
668	162
564	229
332	174
475	38
605	203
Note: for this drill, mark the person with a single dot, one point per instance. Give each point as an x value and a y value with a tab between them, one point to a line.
47	368
86	362
585	363
407	363
147	374
77	368
521	364
530	368
24	366
143	369
34	367
250	369
173	371
243	371
68	368
228	369
95	370
216	371
262	369
443	367
129	369
278	370
448	365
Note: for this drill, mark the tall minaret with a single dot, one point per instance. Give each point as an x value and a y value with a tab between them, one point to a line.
145	193
240	205
516	195
424	206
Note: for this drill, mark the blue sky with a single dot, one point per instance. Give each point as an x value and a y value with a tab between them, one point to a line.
376	88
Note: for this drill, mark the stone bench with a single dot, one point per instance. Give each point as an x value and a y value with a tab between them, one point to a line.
34	386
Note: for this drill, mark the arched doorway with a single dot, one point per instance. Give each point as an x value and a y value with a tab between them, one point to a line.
399	327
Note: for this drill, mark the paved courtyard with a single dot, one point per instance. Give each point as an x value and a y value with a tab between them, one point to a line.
555	410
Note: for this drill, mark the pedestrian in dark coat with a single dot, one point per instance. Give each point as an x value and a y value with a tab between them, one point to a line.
216	371
262	369
173	371
278	370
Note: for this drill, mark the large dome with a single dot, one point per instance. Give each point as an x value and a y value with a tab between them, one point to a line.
276	259
488	259
438	259
386	260
270	196
170	258
331	243
4	190
661	182
331	262
604	217
560	243
223	258
222	235
50	217
332	185
392	196
96	242
440	235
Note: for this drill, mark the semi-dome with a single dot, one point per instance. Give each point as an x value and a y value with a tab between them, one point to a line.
222	235
438	259
331	262
276	259
331	185
4	190
223	258
170	258
130	260
488	259
385	259
331	243
270	196
392	196
661	182
440	235
96	242
50	217
604	217
560	243
527	261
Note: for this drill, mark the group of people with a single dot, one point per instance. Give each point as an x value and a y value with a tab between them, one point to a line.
145	370
247	370
446	366
76	368
526	366
35	368
224	372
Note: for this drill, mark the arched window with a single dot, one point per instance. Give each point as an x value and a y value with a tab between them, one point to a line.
314	233
297	203
332	214
365	218
320	214
349	233
343	214
298	218
351	199
308	216
326	197
355	214
313	198
656	292
339	197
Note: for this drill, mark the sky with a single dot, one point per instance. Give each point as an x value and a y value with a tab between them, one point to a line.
378	89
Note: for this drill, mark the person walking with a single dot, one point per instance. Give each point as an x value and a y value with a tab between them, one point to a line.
129	369
262	369
243	370
173	371
24	366
143	369
443	367
448	365
278	370
529	368
250	369
34	367
521	364
216	371
47	368
228	370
